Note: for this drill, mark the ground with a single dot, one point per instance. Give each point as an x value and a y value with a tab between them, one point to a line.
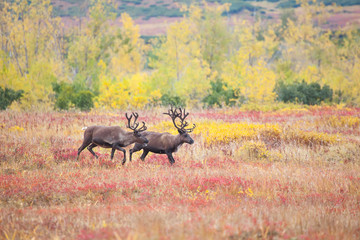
285	174
154	26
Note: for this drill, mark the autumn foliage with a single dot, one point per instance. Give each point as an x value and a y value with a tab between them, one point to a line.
285	174
203	55
259	168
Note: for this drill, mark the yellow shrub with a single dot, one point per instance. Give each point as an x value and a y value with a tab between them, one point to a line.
342	122
215	132
254	150
310	138
218	132
16	129
257	150
164	126
270	132
293	110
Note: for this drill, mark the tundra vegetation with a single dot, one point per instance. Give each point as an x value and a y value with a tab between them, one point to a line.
287	174
276	147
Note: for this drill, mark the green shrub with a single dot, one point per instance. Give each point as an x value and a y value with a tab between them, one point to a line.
172	100
64	94
219	95
295	4
8	95
288	4
67	94
83	100
237	6
302	92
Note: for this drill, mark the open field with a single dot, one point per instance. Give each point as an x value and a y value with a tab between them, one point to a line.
155	17
287	174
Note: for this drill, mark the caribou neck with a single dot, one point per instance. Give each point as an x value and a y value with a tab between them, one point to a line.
177	141
130	138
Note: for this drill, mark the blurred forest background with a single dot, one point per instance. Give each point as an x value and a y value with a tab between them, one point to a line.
113	54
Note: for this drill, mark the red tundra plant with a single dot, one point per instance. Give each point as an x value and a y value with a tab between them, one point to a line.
333	111
102	233
222	182
219	162
39	162
158	159
66	154
232	116
104	161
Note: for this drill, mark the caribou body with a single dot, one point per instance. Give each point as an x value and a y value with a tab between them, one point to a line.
166	143
113	137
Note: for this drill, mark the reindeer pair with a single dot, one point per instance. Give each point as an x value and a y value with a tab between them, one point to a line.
116	138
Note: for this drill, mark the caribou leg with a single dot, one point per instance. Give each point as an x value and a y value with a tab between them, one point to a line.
117	147
144	154
112	153
90	148
86	142
81	148
171	158
136	148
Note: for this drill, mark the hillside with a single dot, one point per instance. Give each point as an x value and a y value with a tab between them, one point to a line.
154	15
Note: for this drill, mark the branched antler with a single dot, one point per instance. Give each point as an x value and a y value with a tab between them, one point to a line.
135	125
173	113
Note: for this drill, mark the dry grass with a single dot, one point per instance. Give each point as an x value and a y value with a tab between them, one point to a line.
262	187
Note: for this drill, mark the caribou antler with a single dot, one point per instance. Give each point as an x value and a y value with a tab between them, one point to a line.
181	115
135	124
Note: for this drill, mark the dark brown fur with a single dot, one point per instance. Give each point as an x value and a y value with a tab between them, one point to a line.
112	137
162	143
166	143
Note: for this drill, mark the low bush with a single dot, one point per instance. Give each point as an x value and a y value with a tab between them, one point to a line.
310	138
8	95
67	96
220	95
172	100
302	92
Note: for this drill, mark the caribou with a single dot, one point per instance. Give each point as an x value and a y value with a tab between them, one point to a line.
114	137
166	143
